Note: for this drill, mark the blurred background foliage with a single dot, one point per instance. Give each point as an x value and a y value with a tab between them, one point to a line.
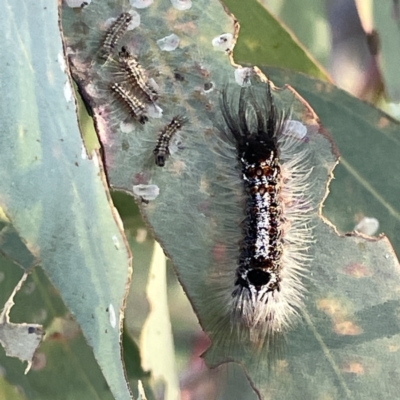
340	42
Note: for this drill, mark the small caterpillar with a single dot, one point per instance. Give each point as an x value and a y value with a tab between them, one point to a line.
161	151
136	108
114	34
135	75
267	290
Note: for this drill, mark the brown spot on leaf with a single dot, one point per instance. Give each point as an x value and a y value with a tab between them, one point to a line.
56	336
354	368
347	328
383	122
341	318
189	28
39	361
357	270
332	307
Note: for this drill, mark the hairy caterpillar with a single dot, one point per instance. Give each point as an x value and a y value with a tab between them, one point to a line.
161	151
267	289
135	75
136	108
114	34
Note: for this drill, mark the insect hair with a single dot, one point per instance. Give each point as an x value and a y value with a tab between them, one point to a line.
266	288
114	34
135	106
161	150
135	75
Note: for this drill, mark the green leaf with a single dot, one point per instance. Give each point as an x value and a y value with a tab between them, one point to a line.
8	391
156	338
386	21
53	196
264	40
353	299
308	21
367	180
78	375
194	203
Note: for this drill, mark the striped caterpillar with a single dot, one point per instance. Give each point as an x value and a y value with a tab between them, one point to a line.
267	290
135	75
161	151
135	107
114	34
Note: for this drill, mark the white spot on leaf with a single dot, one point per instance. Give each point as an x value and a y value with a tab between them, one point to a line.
242	76
168	43
154	111
116	242
68	91
135	20
126	127
112	316
146	192
83	153
181	4
141	3
223	42
368	226
61	62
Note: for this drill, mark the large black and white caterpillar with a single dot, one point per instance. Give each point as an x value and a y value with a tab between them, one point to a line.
267	287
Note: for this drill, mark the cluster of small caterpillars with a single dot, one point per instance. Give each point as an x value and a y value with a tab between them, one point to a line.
133	90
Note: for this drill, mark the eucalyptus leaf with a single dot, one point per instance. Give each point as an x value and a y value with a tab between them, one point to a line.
194	203
53	196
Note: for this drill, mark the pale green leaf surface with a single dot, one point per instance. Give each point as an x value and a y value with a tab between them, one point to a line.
308	21
197	214
264	40
386	20
51	193
8	391
157	346
137	305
